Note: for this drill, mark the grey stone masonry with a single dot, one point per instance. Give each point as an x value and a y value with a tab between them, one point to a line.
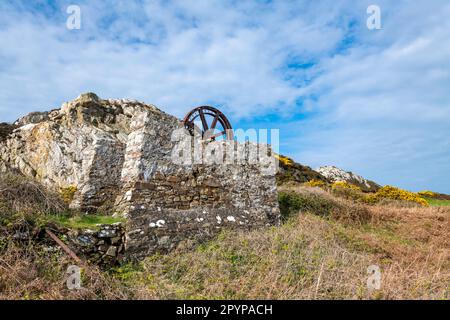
120	154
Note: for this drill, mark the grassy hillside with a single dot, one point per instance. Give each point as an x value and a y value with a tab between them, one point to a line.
291	171
438	202
321	251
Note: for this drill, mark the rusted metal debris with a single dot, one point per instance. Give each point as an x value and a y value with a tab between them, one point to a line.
210	118
64	247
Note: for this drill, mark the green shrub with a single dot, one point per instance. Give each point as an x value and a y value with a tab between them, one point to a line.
291	203
348	191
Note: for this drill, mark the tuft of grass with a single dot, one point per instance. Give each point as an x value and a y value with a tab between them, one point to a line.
83	221
26	195
438	202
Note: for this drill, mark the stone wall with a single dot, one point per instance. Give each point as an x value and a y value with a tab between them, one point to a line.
120	152
195	202
105	246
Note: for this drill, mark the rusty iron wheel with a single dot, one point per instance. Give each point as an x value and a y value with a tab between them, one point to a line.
213	123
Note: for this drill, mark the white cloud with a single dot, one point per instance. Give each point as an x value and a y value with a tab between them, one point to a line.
175	55
376	102
384	111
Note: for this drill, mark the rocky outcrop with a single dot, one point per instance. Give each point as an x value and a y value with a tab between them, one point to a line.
80	145
119	154
33	117
5	130
289	170
335	174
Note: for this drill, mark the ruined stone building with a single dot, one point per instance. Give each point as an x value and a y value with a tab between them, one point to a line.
118	154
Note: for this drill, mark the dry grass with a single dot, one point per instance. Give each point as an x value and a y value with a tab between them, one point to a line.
309	257
320	202
25	195
303	259
29	272
31	266
321	251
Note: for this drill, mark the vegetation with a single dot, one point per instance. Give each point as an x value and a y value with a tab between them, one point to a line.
82	221
427	194
393	193
25	201
292	203
19	194
311	256
68	193
438	202
288	162
32	267
348	191
321	251
316	183
290	171
344	185
435	199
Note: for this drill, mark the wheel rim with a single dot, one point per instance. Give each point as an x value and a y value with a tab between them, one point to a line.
211	123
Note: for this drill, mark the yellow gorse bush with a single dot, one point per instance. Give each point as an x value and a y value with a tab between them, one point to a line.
284	160
344	185
315	183
427	193
390	192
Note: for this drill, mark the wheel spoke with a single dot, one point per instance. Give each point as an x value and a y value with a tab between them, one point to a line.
219	134
207	131
214	123
204	123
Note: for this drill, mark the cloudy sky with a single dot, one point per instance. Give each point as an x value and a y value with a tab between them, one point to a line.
376	102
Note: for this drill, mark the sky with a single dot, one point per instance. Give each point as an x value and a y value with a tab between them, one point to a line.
375	102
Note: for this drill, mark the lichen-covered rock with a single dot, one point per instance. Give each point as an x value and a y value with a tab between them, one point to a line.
104	246
119	152
82	145
33	117
335	174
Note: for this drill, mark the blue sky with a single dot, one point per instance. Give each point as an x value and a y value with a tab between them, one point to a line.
376	102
